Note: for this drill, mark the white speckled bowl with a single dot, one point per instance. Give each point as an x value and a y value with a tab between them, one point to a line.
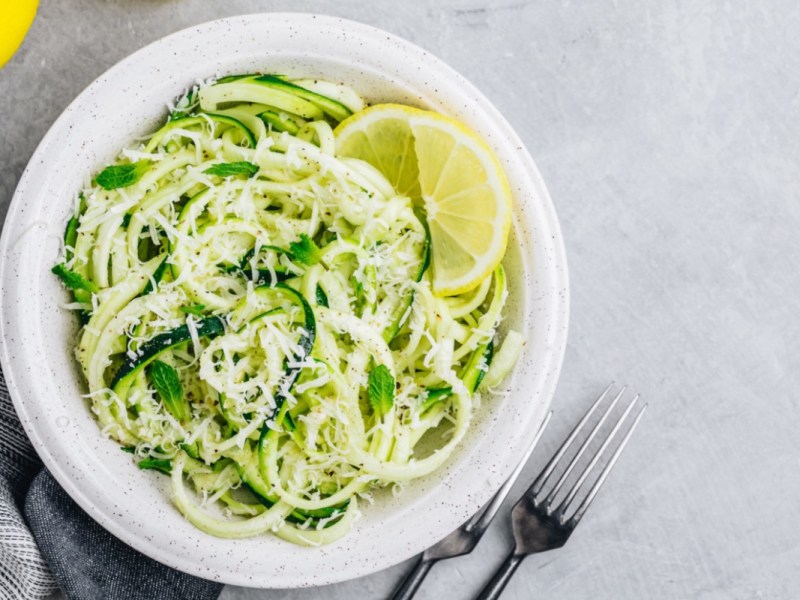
130	100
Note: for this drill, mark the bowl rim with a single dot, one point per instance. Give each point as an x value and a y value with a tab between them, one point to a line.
18	376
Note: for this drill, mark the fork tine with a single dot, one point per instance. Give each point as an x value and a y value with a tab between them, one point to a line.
557	487
588	469
573	521
537	485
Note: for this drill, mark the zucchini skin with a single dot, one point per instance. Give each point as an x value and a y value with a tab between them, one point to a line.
157	276
209	327
329	106
256	487
397	323
309	321
191	120
70	237
306	344
472	375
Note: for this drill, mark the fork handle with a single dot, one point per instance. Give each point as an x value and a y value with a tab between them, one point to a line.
501	577
409	586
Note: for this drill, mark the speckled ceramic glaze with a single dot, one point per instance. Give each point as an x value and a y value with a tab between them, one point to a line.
38	335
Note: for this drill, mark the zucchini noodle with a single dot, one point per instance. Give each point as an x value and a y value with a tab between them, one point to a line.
257	318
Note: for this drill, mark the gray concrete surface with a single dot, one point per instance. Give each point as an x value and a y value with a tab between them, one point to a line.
668	135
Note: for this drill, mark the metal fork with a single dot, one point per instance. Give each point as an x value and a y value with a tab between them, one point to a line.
538	526
464	539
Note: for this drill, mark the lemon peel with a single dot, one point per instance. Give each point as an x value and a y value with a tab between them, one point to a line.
15	19
452	173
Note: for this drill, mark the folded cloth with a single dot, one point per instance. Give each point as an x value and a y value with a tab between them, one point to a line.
23	570
60	545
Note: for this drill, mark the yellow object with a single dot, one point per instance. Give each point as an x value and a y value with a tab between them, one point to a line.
16	17
438	161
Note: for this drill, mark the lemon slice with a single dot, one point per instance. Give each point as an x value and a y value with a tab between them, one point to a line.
437	161
15	20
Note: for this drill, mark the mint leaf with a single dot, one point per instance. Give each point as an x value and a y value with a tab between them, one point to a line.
380	389
194	309
232	169
305	250
168	385
73	280
158	464
120	176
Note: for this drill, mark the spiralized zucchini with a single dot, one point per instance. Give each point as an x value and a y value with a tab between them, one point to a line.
257	315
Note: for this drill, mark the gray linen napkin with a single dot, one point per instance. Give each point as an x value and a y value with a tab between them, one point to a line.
55	544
